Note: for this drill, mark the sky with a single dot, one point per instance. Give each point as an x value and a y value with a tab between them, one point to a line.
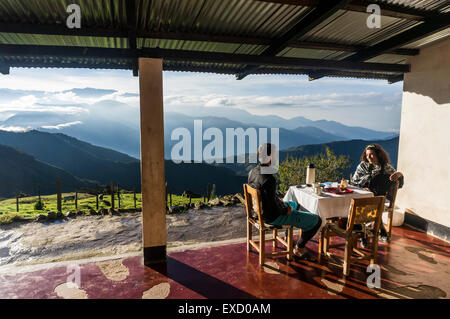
371	104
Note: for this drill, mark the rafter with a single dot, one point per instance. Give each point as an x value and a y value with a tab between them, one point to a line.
432	25
131	28
181	36
394	79
183	68
320	13
194	56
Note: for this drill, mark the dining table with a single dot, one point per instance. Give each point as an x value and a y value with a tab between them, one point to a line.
328	204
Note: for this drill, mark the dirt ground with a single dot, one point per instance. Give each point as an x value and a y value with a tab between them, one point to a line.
96	236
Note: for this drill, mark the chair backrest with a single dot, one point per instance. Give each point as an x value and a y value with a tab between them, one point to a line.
391	194
366	210
253	204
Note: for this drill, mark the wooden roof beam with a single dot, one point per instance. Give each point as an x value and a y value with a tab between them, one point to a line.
195	56
117	33
4	68
131	26
395	79
320	13
187	68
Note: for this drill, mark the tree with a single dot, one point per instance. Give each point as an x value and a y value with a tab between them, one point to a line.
329	168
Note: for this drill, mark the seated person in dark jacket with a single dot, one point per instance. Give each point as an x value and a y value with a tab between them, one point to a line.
275	212
376	174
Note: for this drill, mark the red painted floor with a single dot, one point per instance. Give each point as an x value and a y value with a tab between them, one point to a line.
413	265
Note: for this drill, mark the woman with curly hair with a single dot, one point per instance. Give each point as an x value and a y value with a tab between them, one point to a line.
375	173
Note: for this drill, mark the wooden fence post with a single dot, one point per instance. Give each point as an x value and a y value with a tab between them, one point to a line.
167	194
134	198
58	195
213	192
112	195
17	201
208	191
118	194
96	196
76	200
39	193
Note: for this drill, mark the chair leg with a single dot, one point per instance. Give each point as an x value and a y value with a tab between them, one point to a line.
321	239
374	253
389	222
289	242
249	235
326	241
262	246
275	235
347	256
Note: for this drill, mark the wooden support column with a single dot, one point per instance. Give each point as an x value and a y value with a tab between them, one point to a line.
152	161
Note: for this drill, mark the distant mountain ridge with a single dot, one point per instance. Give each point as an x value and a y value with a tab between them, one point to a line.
287	138
352	148
122	133
331	127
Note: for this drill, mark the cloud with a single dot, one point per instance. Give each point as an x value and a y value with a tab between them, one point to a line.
77	91
15	129
323	101
60	126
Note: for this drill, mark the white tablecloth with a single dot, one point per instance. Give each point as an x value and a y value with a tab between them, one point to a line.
326	205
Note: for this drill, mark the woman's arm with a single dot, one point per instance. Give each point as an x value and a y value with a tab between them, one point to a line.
394	174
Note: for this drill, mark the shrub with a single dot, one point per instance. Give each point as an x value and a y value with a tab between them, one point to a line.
39	205
329	167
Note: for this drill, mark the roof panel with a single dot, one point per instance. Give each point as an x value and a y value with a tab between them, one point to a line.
77	41
351	28
230	18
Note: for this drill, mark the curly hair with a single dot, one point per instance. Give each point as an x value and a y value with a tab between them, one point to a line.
382	155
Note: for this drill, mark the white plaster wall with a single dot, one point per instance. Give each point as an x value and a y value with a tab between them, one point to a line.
424	147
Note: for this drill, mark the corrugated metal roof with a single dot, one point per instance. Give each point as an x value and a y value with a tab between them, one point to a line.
180	19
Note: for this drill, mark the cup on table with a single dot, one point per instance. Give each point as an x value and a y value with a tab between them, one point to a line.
317	189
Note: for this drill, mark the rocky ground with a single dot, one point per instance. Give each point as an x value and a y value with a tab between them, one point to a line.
94	236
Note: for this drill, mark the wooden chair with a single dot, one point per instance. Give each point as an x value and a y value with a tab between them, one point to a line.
391	195
253	206
362	212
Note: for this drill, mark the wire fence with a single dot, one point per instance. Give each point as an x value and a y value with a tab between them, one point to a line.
104	197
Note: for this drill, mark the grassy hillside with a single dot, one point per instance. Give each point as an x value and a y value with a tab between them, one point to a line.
85	202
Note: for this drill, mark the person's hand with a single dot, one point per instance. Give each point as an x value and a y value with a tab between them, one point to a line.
366	189
395	176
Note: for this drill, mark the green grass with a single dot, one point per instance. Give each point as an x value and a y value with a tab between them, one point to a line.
85	202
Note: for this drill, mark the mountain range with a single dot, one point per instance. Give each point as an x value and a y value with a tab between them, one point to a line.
37	158
95	125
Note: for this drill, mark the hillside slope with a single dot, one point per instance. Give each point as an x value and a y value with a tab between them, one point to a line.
20	172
